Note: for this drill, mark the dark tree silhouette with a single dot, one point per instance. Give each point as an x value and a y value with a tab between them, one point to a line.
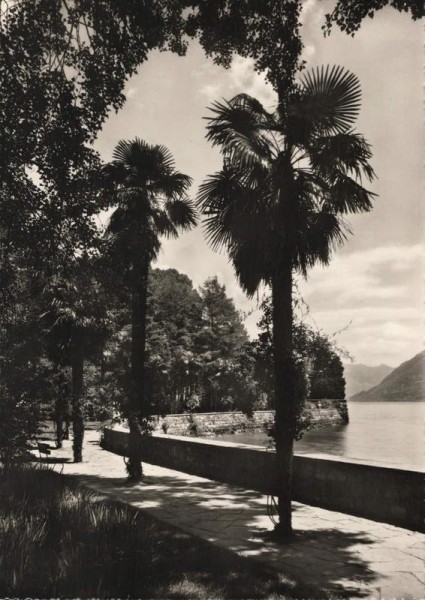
152	202
278	204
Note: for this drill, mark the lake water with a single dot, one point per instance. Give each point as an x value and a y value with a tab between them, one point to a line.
387	433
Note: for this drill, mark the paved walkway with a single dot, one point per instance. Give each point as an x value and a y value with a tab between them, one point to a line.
333	551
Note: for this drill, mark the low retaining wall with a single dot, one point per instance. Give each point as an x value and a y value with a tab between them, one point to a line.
379	493
323	412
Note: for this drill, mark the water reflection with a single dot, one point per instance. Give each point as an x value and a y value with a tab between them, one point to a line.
324	440
390	433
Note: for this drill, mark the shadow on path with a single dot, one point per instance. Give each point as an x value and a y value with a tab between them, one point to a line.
320	554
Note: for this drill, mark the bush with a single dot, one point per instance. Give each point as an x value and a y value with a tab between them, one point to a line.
19	418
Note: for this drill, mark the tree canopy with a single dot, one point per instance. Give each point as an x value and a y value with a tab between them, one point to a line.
348	15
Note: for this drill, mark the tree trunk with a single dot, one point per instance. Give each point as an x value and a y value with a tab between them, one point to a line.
137	406
77	365
67	424
60	406
59	426
284	395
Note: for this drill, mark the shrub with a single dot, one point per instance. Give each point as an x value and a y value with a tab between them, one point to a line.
19	418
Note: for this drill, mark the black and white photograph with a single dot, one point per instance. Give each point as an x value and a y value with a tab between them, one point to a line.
212	363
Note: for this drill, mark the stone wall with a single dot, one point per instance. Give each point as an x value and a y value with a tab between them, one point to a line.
323	412
383	494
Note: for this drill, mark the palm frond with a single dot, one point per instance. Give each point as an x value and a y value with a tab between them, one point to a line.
225	202
214	200
171	184
164	158
348	153
251	265
143	162
328	100
348	196
240	126
181	213
163	224
124	151
151	197
323	232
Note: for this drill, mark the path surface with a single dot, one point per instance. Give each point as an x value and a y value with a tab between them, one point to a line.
331	550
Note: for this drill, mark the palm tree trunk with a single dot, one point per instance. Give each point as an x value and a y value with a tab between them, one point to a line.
67	423
58	424
77	365
137	405
60	406
284	395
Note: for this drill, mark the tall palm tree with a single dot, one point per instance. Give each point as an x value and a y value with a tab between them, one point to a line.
152	202
77	327
277	206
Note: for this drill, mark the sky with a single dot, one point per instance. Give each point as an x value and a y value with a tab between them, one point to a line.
372	292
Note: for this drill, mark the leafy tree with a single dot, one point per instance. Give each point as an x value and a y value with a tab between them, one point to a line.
320	356
185	361
219	343
63	66
278	204
20	418
326	370
26	387
152	202
221	318
268	32
349	15
174	318
77	324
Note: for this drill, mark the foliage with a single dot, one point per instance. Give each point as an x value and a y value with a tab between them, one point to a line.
20	418
267	32
219	345
349	15
27	383
196	357
151	198
278	205
59	540
174	317
319	372
313	151
64	66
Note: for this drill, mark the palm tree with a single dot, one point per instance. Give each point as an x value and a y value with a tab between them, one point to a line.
277	206
77	327
152	202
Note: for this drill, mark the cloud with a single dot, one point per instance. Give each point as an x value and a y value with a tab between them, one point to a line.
308	7
308	52
239	78
377	296
375	274
131	92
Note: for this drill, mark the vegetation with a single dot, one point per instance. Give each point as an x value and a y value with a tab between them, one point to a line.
277	206
152	202
197	353
349	15
63	67
59	540
318	355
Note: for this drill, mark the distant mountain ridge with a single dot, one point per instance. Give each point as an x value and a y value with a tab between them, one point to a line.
359	378
404	384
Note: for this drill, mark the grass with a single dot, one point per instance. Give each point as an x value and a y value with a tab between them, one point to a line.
59	540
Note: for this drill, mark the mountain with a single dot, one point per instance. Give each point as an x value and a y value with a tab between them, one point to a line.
361	377
404	384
